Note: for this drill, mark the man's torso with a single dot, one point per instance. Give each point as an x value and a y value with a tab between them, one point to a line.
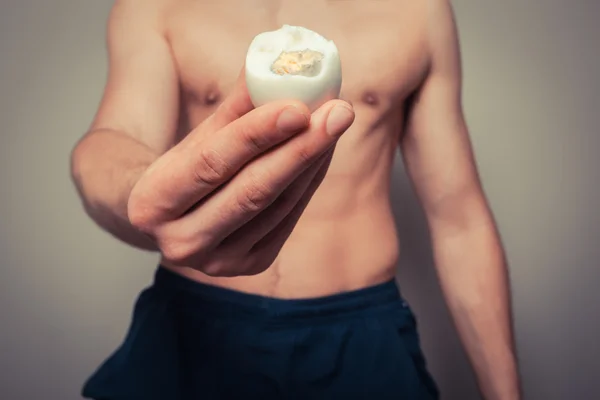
346	238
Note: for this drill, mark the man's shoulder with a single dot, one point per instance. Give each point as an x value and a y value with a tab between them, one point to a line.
140	13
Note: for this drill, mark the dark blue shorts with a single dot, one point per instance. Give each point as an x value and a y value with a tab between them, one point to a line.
191	341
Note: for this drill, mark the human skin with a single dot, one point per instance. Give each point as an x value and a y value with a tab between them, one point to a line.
178	161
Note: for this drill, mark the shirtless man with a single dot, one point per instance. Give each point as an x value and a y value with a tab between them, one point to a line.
277	240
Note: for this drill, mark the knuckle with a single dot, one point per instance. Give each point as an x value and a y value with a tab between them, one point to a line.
213	269
140	216
304	155
220	265
184	247
255	196
176	252
210	169
255	143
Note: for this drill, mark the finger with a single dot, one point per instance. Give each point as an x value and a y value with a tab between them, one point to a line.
184	176
234	106
264	179
266	250
229	257
242	240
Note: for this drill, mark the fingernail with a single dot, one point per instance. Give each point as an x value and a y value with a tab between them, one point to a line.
291	120
339	120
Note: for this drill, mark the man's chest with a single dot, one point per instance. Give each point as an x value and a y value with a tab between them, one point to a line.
382	45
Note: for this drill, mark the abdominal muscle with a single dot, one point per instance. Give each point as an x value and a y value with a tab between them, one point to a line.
346	238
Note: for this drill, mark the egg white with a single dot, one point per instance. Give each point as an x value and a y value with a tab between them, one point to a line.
265	86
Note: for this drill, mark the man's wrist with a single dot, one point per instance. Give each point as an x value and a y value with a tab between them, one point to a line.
503	386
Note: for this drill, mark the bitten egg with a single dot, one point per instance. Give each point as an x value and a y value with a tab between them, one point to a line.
293	62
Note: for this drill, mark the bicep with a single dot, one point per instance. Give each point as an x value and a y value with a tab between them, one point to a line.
141	95
436	147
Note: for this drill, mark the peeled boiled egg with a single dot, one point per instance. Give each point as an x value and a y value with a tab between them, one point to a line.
293	62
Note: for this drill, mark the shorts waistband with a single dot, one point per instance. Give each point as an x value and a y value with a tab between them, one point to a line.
228	303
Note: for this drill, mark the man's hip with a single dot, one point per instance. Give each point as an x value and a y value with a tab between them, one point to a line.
189	340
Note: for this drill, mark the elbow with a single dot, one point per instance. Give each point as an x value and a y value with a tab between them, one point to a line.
79	169
81	161
459	212
76	163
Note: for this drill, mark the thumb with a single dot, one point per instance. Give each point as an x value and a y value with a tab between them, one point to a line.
234	106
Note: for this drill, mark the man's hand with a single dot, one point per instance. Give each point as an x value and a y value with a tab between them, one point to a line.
226	198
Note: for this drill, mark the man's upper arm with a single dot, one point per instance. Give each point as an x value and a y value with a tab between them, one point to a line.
141	93
436	146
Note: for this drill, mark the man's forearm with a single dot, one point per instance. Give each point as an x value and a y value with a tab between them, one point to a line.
473	275
105	165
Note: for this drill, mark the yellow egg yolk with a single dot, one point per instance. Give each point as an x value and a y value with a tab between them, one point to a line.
305	62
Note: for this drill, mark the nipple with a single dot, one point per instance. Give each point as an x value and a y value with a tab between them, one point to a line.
370	98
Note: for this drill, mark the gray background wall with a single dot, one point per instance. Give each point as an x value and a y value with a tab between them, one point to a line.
532	102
